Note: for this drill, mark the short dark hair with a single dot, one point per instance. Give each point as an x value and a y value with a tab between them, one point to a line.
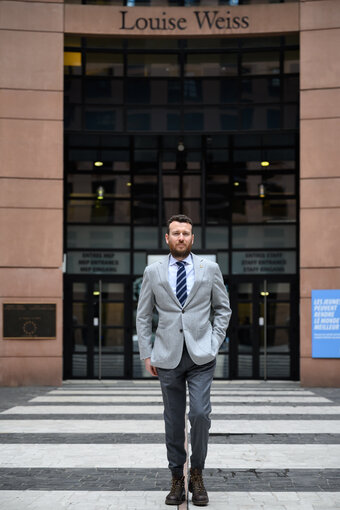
181	218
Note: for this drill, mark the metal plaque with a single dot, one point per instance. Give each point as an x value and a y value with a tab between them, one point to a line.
29	321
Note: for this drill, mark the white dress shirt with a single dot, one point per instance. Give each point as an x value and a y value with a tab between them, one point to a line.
189	269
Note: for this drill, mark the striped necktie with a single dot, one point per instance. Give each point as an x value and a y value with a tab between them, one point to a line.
181	283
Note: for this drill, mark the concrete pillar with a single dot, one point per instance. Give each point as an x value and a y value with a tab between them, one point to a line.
320	173
31	180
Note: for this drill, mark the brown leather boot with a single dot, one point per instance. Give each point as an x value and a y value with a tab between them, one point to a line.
177	492
196	486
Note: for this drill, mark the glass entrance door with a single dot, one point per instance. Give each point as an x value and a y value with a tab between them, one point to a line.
97	334
264	338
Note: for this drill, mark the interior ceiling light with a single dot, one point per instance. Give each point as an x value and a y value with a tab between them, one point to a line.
264	293
100	193
96	293
98	163
236	183
265	163
129	184
180	146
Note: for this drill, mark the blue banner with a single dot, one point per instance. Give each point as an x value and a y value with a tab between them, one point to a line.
326	323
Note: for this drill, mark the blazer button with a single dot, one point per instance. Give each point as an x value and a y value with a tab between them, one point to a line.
182	311
181	330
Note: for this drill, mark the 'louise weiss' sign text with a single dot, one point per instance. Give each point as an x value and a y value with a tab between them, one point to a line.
214	19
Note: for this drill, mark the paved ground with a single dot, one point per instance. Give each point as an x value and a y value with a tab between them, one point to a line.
100	445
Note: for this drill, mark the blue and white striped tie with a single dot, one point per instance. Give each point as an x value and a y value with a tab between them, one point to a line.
181	283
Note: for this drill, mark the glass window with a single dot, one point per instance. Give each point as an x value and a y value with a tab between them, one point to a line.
260	63
72	117
292	62
261	117
260	90
217	198
103	118
192	186
139	262
192	209
72	90
86	185
264	236
216	238
104	64
277	184
211	64
111	291
98	91
171	186
98	211
72	62
156	119
145	238
152	65
263	210
98	237
223	261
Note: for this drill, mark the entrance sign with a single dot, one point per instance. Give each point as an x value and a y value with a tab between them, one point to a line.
98	262
264	262
326	323
29	321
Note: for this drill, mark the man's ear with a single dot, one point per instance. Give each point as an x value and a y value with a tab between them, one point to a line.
166	239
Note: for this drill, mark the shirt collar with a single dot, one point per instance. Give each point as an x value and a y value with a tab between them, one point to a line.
187	260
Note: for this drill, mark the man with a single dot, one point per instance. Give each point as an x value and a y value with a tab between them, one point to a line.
184	288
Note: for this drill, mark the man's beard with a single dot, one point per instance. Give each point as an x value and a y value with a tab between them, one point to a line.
180	254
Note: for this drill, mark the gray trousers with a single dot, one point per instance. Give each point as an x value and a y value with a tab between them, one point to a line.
173	385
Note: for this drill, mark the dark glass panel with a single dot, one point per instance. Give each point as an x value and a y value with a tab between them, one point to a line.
291	62
192	186
261	117
171	207
72	116
263	210
245	290
277	184
278	290
211	64
145	161
278	314
152	65
138	91
229	90
291	117
79	313
217	201
153	120
171	186
291	88
145	205
260	90
104	42
264	236
79	339
79	291
277	340
103	118
112	340
103	91
98	211
192	209
104	64
277	366
260	63
245	313
85	185
72	90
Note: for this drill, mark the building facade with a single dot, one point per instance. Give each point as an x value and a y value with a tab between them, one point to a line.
115	115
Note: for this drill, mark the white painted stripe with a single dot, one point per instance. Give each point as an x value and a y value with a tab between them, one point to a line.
223	456
158	398
158	409
146	500
157	426
82	500
139	391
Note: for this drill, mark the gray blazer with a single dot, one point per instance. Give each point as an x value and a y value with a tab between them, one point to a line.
193	323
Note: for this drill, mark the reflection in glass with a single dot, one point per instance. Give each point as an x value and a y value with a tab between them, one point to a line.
216	238
145	237
277	340
263	210
278	366
79	313
278	313
152	65
79	339
275	184
113	314
79	291
104	64
112	340
85	185
245	290
261	63
211	64
245	314
98	211
264	236
97	236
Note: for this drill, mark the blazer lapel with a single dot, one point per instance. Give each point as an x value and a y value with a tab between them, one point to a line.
199	267
163	271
